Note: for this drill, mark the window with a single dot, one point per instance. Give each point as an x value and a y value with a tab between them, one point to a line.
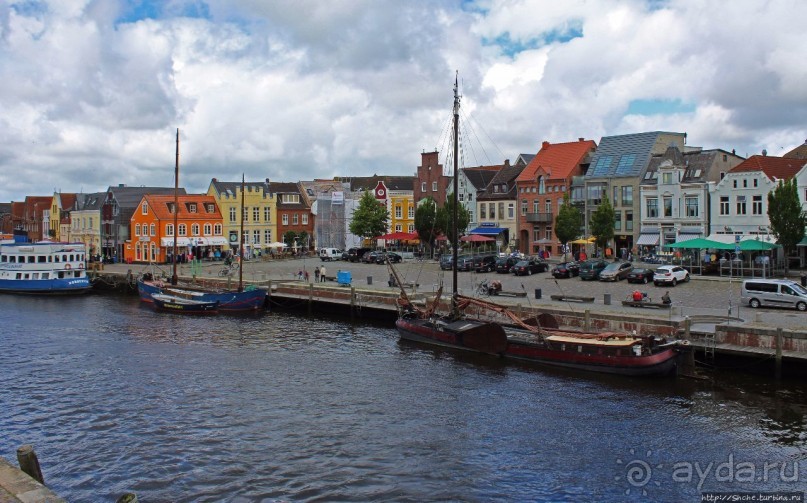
195	230
741	205
423	187
191	207
267	236
691	204
756	205
628	221
267	214
208	229
617	220
625	164
217	230
144	209
183	230
547	232
724	205
256	237
153	230
602	166
652	207
541	186
745	183
411	211
290	198
548	206
735	184
668	207
245	215
492	210
615	195
666	178
523	206
295	219
483	211
137	229
536	206
511	211
305	218
232	215
256	214
211	208
434	186
411	228
462	196
398	228
756	184
285	219
501	210
627	195
169	229
398	212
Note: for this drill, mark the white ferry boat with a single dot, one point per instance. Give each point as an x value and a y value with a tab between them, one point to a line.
43	268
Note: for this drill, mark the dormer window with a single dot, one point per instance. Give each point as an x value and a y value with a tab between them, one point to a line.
171	208
211	208
191	207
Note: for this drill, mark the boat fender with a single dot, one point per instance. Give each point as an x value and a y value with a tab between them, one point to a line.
67	267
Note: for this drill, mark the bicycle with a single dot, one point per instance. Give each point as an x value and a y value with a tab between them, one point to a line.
486	288
229	270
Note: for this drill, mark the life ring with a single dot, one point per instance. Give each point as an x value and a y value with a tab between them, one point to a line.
81	265
67	267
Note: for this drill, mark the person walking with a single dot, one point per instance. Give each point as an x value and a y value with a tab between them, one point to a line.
316	274
322	272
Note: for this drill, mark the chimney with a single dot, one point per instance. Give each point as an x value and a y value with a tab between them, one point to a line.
764	152
215	180
733	152
544	145
581	139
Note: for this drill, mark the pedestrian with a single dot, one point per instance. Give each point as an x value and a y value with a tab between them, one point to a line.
665	299
322	272
306	275
300	275
316	274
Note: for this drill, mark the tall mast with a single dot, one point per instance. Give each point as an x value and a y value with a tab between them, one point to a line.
176	212
455	209
243	240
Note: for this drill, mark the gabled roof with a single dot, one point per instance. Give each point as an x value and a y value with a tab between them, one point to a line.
507	177
130	197
233	188
92	201
481	176
623	155
558	159
523	159
697	164
67	200
370	182
776	168
799	152
159	204
289	188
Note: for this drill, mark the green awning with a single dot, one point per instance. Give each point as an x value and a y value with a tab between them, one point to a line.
754	245
700	243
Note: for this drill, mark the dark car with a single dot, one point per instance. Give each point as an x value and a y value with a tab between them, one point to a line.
485	263
446	261
371	257
640	275
504	264
465	263
616	271
529	266
381	258
566	270
355	254
590	269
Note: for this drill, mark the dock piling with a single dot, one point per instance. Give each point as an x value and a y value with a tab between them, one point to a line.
779	344
29	463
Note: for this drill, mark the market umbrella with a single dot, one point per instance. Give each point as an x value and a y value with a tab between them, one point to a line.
583	241
277	244
402	236
755	245
700	243
476	238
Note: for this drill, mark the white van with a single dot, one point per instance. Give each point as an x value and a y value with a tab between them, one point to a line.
328	254
774	292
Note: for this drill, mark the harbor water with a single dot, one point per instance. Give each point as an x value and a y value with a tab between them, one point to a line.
117	398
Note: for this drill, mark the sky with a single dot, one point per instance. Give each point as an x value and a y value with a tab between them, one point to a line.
93	91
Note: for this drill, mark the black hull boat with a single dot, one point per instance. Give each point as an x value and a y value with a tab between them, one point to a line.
181	305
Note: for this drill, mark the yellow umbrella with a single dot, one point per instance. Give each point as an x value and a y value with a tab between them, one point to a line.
583	241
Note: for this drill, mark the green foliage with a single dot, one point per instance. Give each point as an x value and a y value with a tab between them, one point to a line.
567	223
425	218
602	223
303	240
370	218
289	237
445	219
787	218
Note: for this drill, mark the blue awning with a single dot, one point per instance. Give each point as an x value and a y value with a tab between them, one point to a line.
488	231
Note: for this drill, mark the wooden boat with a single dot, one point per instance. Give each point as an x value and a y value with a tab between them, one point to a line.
183	305
536	340
44	268
241	299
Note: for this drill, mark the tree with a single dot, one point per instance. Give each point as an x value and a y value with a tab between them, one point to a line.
787	218
370	218
567	223
444	220
425	219
303	240
602	223
289	237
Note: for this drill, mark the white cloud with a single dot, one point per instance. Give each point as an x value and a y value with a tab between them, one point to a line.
310	89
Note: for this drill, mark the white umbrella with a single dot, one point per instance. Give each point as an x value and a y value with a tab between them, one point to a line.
277	244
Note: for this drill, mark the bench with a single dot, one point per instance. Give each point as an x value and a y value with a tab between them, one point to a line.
511	294
574	298
645	303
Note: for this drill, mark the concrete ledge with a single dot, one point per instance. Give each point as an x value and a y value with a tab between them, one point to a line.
16	486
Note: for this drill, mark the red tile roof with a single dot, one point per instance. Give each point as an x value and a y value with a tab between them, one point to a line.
159	205
775	167
559	159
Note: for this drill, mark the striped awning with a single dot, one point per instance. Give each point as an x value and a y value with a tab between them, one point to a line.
647	240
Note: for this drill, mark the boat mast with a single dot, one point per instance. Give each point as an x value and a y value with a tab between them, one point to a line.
455	209
243	240
176	212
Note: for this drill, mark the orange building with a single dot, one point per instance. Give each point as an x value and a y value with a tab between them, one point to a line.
199	228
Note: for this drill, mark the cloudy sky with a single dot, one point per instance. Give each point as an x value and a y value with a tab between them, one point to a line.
93	90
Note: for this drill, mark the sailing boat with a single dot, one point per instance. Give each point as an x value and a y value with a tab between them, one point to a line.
242	299
537	339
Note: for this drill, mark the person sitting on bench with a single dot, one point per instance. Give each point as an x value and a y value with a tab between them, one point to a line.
665	299
638	296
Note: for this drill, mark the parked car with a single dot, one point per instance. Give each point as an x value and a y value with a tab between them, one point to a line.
327	254
590	269
566	270
505	264
371	257
640	275
446	261
529	266
485	263
355	254
465	263
774	292
670	275
381	258
616	271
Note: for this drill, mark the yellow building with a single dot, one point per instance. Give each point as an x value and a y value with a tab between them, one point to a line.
402	211
60	207
85	222
260	213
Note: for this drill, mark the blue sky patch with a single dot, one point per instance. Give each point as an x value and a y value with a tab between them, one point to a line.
137	10
659	107
511	47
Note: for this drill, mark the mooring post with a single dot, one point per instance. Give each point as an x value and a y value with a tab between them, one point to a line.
687	327
269	290
779	343
352	302
26	457
310	298
587	320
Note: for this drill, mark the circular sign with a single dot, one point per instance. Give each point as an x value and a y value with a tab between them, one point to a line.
380	192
